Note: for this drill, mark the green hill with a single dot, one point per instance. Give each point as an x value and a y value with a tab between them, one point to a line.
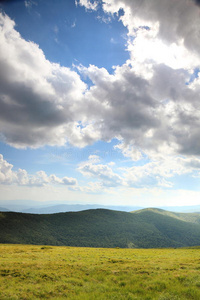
148	228
187	217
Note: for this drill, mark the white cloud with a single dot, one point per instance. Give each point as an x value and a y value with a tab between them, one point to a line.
176	55
159	32
120	104
94	158
129	151
158	172
171	21
104	173
158	114
88	4
22	178
145	103
38	98
6	174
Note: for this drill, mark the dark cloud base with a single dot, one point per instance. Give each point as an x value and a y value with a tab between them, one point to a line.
197	2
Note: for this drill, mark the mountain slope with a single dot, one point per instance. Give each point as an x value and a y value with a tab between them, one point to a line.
187	217
99	228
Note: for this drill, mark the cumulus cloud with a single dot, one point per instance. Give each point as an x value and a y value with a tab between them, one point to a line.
129	151
155	173
159	32
143	113
6	174
37	97
149	103
160	172
22	178
160	114
104	173
170	21
120	103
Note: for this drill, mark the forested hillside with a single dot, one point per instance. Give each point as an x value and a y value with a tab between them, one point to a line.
99	228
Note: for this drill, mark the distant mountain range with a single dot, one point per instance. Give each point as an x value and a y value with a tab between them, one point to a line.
146	228
51	209
67	208
3	209
77	207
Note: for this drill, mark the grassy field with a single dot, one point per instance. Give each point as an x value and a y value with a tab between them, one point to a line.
36	272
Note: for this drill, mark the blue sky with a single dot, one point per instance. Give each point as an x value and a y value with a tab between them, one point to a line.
68	34
99	102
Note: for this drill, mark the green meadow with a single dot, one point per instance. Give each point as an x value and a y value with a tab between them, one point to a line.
50	272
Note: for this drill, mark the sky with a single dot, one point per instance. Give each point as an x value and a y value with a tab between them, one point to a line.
100	102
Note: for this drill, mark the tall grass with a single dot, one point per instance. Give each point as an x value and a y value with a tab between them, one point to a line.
36	272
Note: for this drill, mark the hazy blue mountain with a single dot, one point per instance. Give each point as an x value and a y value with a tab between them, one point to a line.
183	209
76	208
3	209
29	206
